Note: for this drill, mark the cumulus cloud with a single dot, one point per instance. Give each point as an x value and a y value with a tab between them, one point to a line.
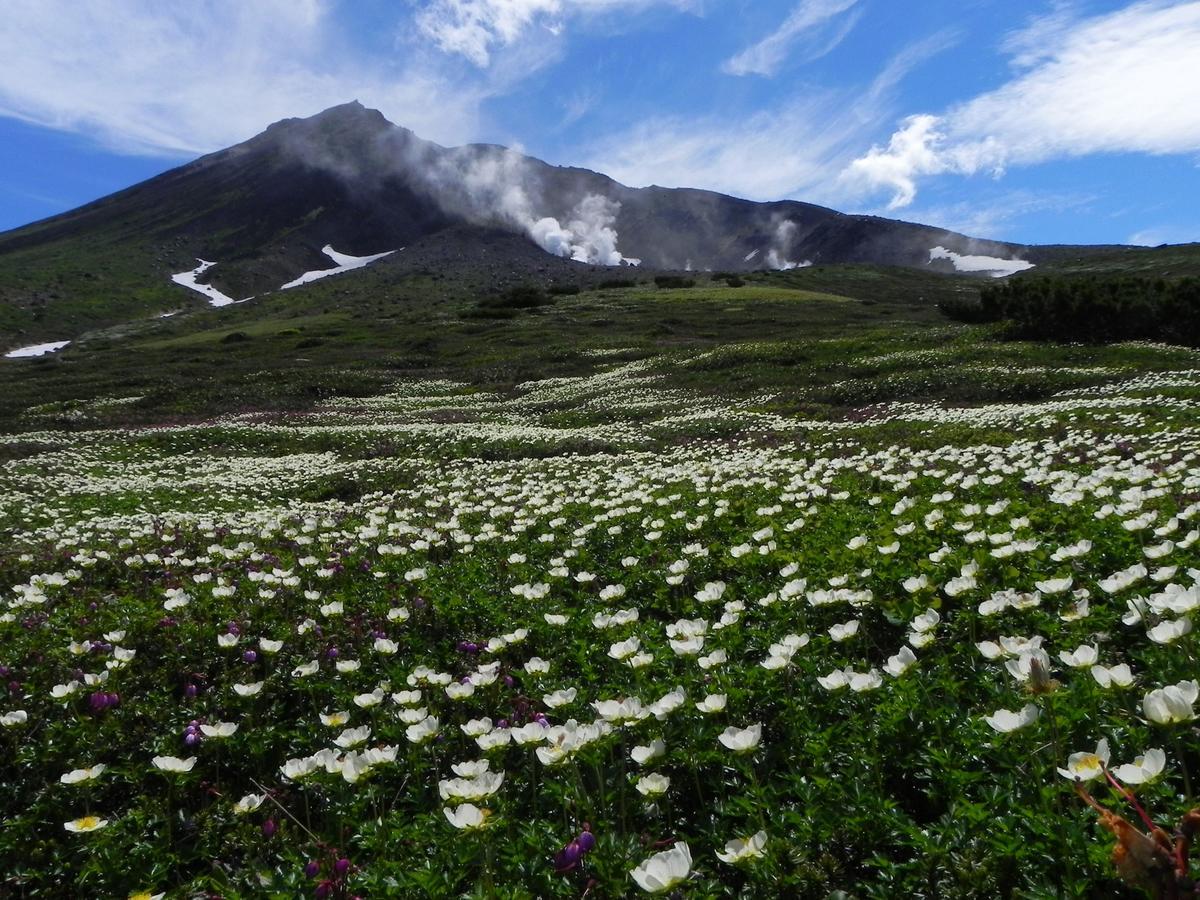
182	78
818	22
475	28
1119	83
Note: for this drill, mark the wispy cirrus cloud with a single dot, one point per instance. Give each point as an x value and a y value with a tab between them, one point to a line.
815	27
475	29
794	148
1124	82
179	79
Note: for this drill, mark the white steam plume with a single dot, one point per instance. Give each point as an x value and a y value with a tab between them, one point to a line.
781	244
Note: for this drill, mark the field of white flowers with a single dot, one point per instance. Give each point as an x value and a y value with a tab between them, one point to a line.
605	637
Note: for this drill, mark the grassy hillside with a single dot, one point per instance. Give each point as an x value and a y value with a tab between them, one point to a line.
365	591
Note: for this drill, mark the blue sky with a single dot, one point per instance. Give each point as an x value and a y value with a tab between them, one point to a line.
1057	121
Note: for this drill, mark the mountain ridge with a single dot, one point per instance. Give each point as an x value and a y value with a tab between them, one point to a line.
262	210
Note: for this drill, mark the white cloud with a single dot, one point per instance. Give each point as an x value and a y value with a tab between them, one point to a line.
475	28
810	19
1166	234
1118	83
183	78
794	149
999	213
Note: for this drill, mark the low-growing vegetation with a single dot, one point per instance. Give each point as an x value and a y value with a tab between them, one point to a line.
703	591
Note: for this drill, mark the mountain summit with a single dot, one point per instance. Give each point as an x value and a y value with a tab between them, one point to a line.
349	183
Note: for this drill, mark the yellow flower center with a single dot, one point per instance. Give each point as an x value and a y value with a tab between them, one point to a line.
88	822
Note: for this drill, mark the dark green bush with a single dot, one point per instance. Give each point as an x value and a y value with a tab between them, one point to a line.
674	281
1093	310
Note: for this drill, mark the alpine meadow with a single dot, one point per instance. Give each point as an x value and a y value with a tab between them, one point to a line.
391	517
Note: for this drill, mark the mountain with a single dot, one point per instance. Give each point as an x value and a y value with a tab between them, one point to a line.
348	180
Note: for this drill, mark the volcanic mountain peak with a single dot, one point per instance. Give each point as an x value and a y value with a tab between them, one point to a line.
266	210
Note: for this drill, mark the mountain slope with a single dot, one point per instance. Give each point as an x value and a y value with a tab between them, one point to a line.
264	209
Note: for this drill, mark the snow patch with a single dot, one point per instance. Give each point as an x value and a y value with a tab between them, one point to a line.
341	263
993	265
35	350
188	280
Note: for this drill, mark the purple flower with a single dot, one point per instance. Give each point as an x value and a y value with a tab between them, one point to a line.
269	828
586	840
249	656
312	869
341	867
568	858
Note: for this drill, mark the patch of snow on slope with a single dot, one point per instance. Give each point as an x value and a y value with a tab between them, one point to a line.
341	263
35	350
993	265
188	280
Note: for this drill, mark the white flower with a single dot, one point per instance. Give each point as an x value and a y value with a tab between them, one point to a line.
835	680
422	731
865	681
844	631
1085	766
713	703
14	718
385	646
174	763
625	649
560	698
459	691
1167	631
247	690
900	663
665	870
1080	657
467	817
1116	676
219	729
742	740
335	719
653	785
741	849
84	825
1143	769
78	776
1005	720
352	737
249	803
365	701
269	646
644	754
1054	586
1171	704
65	690
471	769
